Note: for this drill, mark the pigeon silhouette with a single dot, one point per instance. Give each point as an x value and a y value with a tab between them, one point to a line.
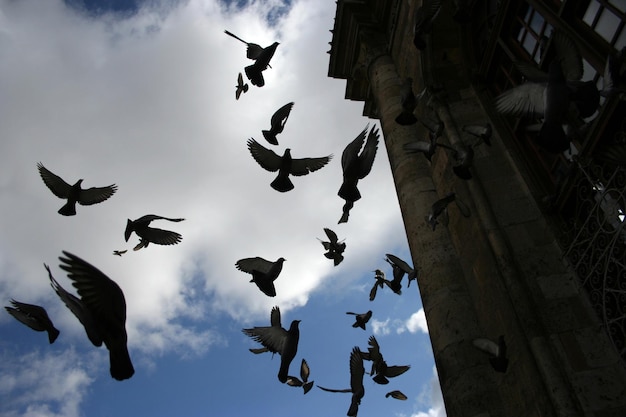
76	306
263	272
278	340
398	395
401	267
147	234
279	118
119	252
254	72
334	247
439	209
408	102
241	87
253	50
423	21
74	193
380	370
285	165
380	283
105	301
305	371
361	319
357	370
35	317
427	148
496	351
357	164
482	132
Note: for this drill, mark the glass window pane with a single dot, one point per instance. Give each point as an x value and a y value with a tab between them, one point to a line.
620	4
607	25
589	72
529	44
621	40
536	22
521	34
591	12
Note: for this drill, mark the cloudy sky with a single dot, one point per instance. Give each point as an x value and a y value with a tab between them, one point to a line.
143	96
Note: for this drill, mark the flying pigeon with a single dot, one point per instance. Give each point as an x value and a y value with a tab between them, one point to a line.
380	282
304	374
380	370
254	72
496	351
279	118
334	248
440	207
408	102
74	193
105	301
401	267
482	132
147	234
361	319
76	306
553	95
429	147
241	87
35	317
253	50
357	389
357	163
398	395
278	340
263	272
285	165
423	21
119	252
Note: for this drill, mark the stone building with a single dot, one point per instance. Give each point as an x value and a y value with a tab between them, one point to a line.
541	259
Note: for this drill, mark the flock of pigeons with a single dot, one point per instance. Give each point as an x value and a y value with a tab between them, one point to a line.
101	306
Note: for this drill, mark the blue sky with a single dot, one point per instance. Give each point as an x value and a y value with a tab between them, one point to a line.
146	100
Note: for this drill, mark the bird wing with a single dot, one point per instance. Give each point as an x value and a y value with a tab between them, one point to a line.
293	381
55	183
334	390
366	159
100	295
31	315
281	115
525	99
267	158
275	317
273	338
351	152
160	236
373	291
399	262
96	195
149	217
398	395
254	264
75	305
395	370
356	370
569	55
305	165
331	235
305	371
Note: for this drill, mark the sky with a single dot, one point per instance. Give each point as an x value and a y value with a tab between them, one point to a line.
142	94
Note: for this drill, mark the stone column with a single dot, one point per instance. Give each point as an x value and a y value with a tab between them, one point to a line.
467	380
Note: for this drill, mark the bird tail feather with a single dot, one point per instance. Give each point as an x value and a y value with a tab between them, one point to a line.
68	209
270	137
121	365
53	334
282	184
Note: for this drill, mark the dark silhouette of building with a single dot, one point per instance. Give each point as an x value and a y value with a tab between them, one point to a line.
541	260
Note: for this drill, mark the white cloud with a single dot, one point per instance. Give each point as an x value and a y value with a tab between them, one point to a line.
417	322
381	327
431	397
44	384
